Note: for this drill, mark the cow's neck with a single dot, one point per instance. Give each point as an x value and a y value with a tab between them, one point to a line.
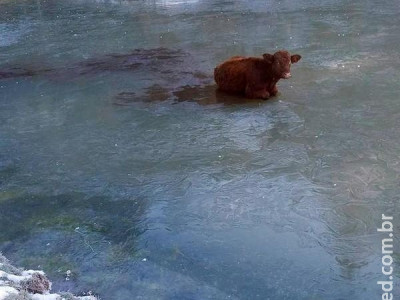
274	81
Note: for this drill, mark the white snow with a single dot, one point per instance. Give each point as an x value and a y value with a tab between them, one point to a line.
8	281
6	291
14	278
46	297
30	272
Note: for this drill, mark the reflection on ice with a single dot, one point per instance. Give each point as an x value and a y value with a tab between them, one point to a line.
110	123
11	34
175	2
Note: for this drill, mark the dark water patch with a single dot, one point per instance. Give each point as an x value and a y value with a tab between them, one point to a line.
161	60
201	94
125	98
189	93
15	72
153	93
177	75
209	94
24	216
152	58
157	93
167	71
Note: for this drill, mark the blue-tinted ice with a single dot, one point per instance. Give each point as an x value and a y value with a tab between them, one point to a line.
120	162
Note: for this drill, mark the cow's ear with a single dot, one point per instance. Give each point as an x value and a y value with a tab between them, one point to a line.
295	58
268	57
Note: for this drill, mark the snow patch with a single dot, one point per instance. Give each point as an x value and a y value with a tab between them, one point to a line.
30	283
7	291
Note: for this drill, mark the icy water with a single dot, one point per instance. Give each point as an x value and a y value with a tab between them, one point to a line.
124	173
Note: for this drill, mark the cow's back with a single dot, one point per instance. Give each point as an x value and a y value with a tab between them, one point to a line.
230	76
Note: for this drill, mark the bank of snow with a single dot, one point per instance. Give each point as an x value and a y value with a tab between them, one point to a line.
18	284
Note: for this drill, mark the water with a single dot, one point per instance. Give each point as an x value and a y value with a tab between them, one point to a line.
120	163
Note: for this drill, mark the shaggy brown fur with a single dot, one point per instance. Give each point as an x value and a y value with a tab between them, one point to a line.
255	77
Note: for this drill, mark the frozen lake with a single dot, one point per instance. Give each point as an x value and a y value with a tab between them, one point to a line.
120	164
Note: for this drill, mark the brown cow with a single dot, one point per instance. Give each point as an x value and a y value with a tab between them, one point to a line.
254	77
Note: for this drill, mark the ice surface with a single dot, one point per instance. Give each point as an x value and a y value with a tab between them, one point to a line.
115	148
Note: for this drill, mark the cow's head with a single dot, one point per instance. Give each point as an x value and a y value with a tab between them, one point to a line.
281	62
